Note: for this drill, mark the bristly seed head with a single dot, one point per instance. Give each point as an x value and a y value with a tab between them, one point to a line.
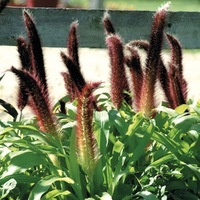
72	44
109	28
39	102
165	7
87	150
118	76
74	71
36	54
152	61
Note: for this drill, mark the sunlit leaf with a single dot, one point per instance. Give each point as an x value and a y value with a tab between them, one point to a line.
44	184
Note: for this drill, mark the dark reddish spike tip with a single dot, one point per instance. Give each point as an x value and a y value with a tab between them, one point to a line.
70	86
141	44
118	77
176	51
109	28
147	102
37	60
74	72
136	75
39	101
175	90
22	97
3	4
134	61
176	66
156	38
24	53
72	44
163	77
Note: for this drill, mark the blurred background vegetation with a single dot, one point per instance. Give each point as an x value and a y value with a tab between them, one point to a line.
152	5
177	5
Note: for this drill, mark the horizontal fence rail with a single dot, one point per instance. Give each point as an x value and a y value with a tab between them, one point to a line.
53	26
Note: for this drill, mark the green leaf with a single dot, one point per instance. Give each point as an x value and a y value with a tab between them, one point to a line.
9	109
118	122
140	148
73	167
44	184
185	122
105	196
136	123
182	108
195	169
147	195
163	160
22	160
6	130
185	195
101	129
176	185
20	178
55	193
118	146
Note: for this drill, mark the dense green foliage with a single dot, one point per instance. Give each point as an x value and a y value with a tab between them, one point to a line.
140	158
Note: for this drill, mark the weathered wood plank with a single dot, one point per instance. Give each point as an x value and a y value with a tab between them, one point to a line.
53	26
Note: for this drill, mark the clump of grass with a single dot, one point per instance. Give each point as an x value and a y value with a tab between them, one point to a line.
112	153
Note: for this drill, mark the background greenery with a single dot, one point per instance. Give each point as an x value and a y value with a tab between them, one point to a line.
177	5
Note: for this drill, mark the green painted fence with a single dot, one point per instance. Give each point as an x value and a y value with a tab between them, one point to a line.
53	25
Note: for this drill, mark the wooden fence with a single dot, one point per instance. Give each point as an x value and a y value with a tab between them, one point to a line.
53	25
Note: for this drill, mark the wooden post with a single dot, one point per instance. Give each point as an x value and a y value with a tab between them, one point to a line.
96	4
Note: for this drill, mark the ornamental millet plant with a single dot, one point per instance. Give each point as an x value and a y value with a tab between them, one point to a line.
142	82
33	89
87	150
118	77
74	80
177	82
136	75
147	100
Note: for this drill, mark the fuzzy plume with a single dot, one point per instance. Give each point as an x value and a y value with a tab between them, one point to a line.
118	76
24	55
3	4
109	28
87	151
162	73
74	71
176	70
72	44
70	86
152	62
74	81
36	53
39	102
136	75
141	44
164	79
